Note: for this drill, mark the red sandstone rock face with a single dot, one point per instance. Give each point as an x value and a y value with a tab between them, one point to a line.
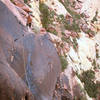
70	84
29	64
68	87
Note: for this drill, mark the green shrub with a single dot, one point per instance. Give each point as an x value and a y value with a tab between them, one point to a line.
64	62
44	14
87	78
25	1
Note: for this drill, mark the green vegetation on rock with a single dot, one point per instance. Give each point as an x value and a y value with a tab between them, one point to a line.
67	5
95	17
94	64
64	62
75	44
25	1
77	18
68	25
66	39
45	14
87	77
53	31
47	17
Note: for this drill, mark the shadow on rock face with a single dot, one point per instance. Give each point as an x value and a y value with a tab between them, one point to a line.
31	63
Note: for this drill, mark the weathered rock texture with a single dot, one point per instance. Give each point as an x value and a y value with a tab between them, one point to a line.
74	28
29	64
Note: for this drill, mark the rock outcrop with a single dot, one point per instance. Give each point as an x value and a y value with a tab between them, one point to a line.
73	26
29	63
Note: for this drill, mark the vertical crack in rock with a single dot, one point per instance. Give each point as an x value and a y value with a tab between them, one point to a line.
30	78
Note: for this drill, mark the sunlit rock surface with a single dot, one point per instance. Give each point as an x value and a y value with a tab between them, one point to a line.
85	56
74	28
57	7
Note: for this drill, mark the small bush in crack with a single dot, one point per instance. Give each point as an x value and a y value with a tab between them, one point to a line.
64	62
44	14
87	78
25	1
47	16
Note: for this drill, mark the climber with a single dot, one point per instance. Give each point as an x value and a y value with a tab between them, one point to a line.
29	20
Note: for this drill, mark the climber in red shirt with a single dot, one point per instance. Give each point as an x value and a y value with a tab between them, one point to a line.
29	20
